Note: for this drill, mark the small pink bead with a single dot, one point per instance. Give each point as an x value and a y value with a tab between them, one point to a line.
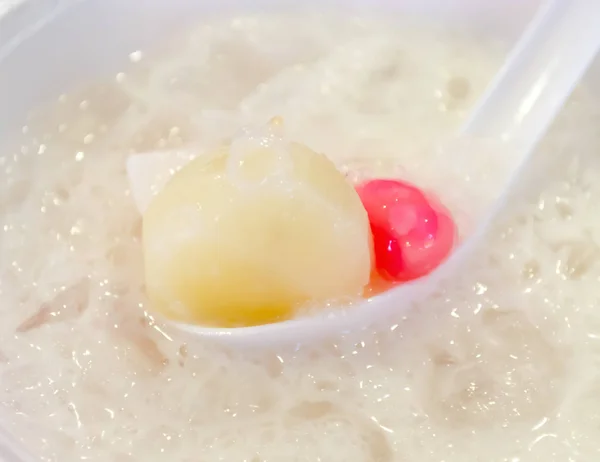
412	234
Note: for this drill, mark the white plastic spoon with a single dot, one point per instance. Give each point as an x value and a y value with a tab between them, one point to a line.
515	112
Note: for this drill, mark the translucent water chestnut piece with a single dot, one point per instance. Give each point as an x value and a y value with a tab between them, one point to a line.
412	233
255	230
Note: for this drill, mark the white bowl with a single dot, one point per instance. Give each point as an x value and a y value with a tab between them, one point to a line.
48	46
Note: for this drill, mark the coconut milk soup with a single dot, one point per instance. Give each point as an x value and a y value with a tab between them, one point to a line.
501	364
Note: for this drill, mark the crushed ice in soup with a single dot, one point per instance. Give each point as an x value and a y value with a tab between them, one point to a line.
500	364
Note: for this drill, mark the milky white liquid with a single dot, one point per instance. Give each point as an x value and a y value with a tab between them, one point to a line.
501	364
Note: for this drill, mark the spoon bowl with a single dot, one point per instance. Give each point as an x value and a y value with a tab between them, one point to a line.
513	115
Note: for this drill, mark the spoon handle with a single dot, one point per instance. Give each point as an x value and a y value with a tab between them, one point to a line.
539	75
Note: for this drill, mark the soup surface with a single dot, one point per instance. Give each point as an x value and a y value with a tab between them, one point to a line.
502	363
